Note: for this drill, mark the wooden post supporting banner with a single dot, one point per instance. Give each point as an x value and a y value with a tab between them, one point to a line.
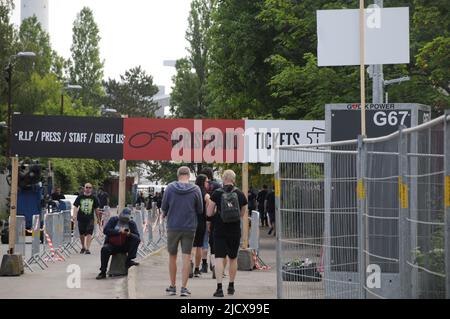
122	185
245	230
362	54
122	182
13	203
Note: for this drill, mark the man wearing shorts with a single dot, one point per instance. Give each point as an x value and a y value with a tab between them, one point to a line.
227	236
84	207
181	204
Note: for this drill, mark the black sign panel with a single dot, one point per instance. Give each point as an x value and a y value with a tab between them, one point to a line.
346	124
67	137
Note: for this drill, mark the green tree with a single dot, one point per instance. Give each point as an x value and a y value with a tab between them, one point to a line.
8	39
239	75
184	99
133	94
189	95
85	66
33	38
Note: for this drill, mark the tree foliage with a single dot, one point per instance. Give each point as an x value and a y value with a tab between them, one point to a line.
189	96
133	94
85	66
238	83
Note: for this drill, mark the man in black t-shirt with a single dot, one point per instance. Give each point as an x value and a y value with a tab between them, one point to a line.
57	194
261	198
210	221
227	236
85	206
103	198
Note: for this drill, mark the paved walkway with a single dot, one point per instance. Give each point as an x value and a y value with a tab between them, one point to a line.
52	282
152	277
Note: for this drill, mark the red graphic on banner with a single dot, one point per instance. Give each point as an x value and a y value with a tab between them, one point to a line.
184	140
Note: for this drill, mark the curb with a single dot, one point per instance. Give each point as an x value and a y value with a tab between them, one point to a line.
132	274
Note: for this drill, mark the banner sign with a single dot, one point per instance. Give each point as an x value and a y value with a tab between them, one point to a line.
179	140
184	140
262	136
67	137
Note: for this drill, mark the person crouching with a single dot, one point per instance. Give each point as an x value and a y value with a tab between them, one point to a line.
122	236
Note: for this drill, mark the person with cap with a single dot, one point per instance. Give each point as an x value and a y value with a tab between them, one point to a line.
122	236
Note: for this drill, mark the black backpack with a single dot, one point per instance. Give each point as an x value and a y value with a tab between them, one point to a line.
229	207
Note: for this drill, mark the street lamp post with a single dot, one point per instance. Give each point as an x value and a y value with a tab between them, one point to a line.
9	71
67	87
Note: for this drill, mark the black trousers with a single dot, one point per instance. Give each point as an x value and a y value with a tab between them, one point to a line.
130	248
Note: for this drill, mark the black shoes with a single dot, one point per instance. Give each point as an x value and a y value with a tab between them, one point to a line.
270	231
204	268
132	263
101	275
87	252
83	250
230	290
197	273
218	293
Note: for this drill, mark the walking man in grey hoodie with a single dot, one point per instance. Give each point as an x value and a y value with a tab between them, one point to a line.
181	204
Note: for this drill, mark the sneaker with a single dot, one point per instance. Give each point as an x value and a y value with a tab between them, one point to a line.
171	291
101	275
204	268
184	292
197	274
230	290
87	252
218	293
82	251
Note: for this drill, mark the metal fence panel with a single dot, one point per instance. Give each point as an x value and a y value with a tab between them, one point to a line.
372	204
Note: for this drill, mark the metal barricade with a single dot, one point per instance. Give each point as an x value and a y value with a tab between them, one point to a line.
137	218
67	231
36	244
151	226
20	246
368	220
51	233
254	231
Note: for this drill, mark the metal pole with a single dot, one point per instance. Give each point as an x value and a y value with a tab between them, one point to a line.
447	206
362	220
378	77
62	102
403	230
362	24
9	73
245	217
278	223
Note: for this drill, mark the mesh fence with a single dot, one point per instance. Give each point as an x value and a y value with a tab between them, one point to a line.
366	218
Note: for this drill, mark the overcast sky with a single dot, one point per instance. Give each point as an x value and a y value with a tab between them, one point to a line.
133	32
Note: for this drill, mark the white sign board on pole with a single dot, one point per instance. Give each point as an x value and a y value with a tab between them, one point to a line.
261	136
387	36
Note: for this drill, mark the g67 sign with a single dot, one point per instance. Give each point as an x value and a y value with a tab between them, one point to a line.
393	118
